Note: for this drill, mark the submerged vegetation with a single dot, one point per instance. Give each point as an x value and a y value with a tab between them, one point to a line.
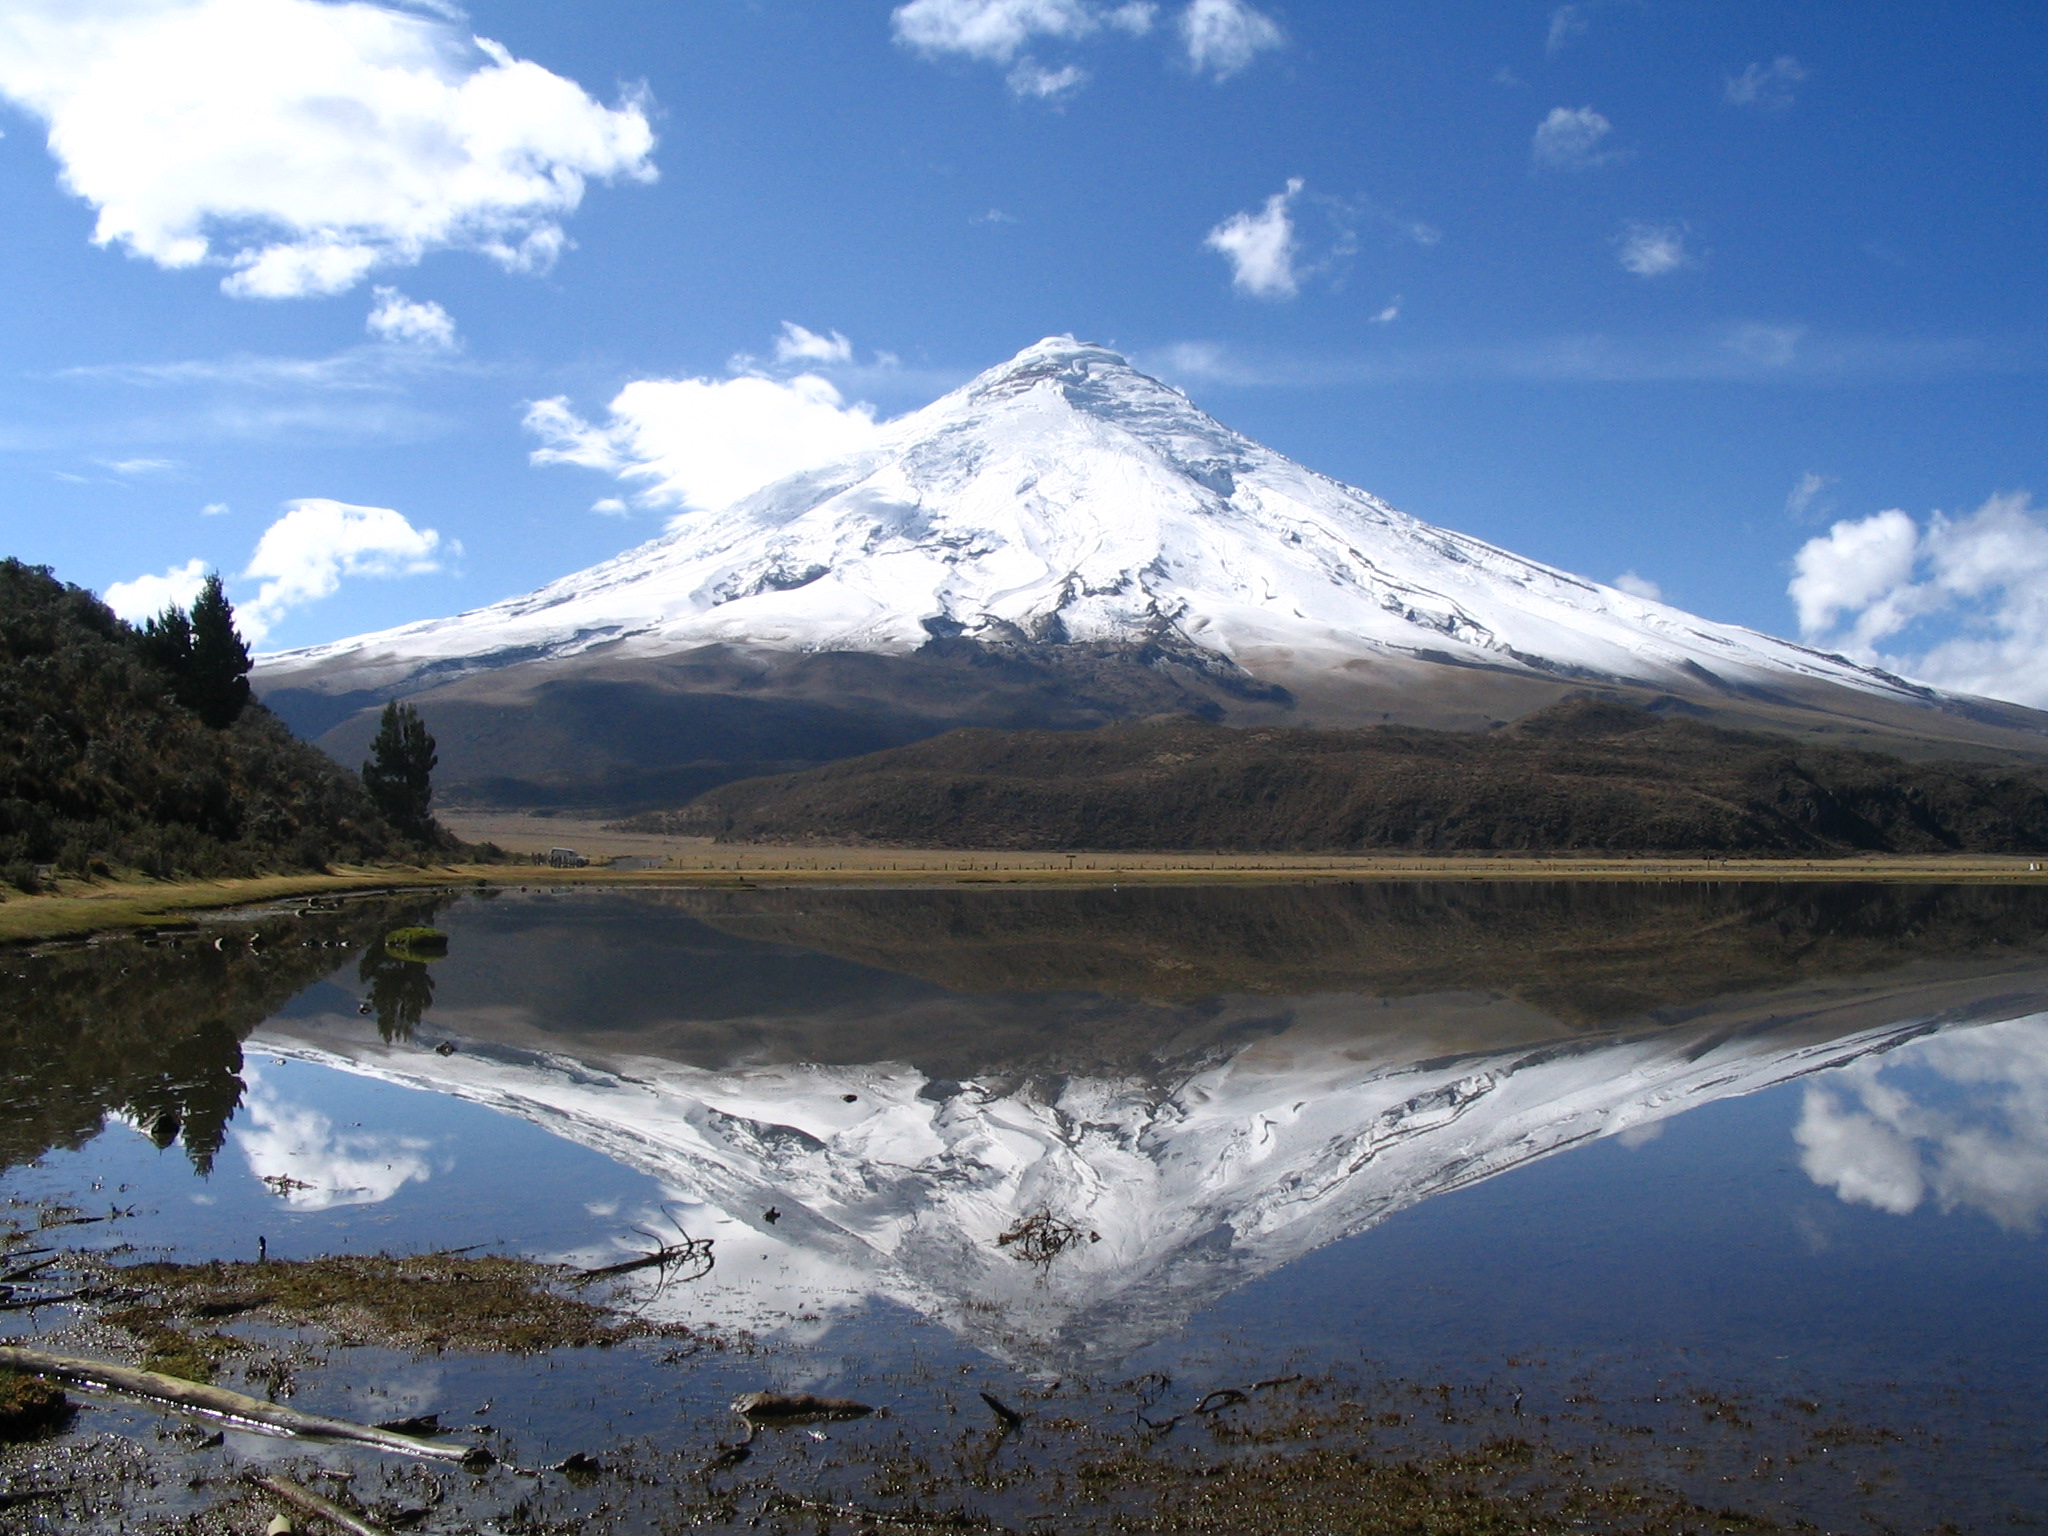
126	749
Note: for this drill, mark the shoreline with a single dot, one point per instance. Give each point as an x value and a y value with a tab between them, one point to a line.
81	908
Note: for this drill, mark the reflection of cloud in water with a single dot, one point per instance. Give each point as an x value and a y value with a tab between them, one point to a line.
313	1166
1960	1120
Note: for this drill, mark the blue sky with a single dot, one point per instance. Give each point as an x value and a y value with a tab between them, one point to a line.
1733	299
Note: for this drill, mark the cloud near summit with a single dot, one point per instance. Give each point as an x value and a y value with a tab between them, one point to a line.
700	444
304	145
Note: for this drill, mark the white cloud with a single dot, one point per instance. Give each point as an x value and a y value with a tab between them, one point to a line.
1260	247
1566	23
303	556
1223	37
1982	580
797	345
1028	77
1866	1133
214	509
1638	586
304	144
993	216
704	443
1218	38
1767	87
411	322
1570	139
610	506
998	31
1651	250
147	596
1390	314
1805	497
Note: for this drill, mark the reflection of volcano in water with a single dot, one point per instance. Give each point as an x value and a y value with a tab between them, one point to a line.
1331	1114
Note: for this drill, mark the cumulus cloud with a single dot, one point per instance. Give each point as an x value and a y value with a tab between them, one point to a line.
303	556
1959	1121
1570	139
1651	250
1638	586
1766	87
410	322
1973	592
704	443
1260	247
214	509
305	144
1223	37
147	596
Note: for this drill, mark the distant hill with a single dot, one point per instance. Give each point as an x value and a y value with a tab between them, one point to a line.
102	770
1584	775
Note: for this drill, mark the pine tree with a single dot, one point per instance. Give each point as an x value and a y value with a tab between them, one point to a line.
220	661
166	644
399	773
203	655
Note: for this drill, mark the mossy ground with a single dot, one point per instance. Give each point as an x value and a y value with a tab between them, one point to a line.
422	1304
30	1406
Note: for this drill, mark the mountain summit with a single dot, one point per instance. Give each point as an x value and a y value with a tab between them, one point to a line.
1062	541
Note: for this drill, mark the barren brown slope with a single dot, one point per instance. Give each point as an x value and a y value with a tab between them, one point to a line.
1583	775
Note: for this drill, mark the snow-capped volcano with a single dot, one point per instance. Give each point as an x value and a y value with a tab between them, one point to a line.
1061	542
1066	497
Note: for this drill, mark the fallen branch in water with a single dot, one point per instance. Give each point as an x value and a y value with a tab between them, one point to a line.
690	1251
217	1403
1011	1418
311	1503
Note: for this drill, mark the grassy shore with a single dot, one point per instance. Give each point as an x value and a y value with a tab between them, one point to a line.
78	908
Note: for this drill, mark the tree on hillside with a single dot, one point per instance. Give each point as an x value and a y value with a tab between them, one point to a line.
203	654
400	771
220	659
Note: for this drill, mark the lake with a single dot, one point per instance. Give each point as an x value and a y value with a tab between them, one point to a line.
1731	1192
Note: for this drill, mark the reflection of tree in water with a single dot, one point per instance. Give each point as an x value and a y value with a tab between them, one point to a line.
401	991
153	1029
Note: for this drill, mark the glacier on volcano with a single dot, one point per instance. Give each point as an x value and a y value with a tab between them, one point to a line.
1066	497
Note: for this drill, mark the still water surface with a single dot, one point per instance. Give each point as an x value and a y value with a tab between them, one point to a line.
1575	1142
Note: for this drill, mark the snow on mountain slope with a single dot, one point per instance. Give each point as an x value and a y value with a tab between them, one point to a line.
890	1184
1066	497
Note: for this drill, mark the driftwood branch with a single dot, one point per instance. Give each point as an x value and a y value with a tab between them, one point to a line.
218	1403
308	1502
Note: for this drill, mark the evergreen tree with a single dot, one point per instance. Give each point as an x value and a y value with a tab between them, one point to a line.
220	661
166	644
203	655
400	770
